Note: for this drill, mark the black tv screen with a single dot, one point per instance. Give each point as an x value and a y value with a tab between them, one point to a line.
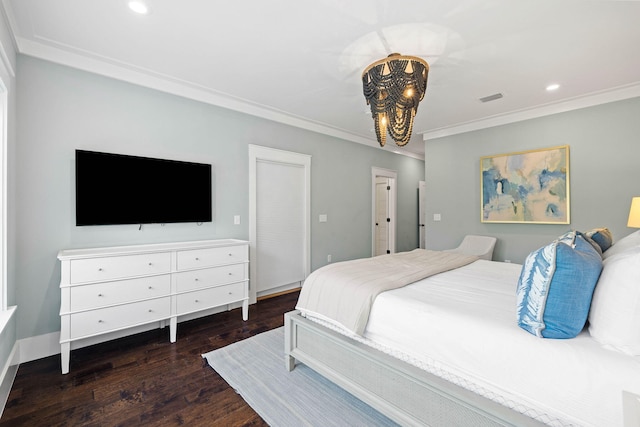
121	189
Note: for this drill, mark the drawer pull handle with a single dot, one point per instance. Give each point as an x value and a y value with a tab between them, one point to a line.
150	311
230	274
230	254
230	293
196	301
100	321
100	295
197	259
100	269
196	279
150	263
150	287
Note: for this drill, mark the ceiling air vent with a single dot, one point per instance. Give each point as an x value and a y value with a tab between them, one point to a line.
491	97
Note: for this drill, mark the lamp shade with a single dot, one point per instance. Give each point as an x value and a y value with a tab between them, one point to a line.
634	213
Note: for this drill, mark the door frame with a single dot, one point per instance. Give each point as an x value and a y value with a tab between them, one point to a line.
393	199
260	153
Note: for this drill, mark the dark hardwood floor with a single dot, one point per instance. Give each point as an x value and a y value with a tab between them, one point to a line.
143	379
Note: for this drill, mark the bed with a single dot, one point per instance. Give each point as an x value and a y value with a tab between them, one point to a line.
447	349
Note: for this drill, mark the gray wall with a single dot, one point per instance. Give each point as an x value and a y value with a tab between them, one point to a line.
61	109
604	176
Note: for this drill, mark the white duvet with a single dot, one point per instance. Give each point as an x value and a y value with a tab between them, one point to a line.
461	325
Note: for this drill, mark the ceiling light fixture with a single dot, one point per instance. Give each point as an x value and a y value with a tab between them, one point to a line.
393	88
139	7
552	87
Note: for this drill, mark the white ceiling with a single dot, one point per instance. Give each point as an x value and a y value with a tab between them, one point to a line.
300	62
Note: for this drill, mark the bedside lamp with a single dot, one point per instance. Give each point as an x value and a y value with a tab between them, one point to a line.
634	213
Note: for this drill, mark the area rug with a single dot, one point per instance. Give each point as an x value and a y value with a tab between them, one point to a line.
255	368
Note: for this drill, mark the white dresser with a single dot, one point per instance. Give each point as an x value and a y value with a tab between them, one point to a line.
104	290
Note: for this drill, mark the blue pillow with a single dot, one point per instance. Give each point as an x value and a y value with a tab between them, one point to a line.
556	286
602	236
570	236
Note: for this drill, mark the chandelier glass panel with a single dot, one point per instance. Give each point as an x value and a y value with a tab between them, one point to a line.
393	88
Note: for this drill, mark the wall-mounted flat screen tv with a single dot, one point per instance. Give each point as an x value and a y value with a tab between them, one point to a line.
121	189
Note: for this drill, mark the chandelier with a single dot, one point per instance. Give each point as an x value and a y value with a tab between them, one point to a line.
393	87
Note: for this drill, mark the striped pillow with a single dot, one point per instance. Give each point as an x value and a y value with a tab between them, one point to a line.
556	286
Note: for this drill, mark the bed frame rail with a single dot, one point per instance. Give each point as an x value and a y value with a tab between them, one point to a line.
402	392
631	407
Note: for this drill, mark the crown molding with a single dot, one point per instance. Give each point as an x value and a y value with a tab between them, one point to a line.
147	78
589	100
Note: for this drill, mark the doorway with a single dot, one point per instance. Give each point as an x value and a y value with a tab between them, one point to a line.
279	215
383	211
422	214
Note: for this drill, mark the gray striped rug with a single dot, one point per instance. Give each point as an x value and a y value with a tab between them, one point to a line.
255	368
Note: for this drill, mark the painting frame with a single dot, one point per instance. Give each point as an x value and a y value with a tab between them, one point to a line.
526	187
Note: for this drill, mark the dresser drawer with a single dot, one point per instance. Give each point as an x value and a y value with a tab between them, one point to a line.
108	268
87	297
113	318
196	279
198	258
212	297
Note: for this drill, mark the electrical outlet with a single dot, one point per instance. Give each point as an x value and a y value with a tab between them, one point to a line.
328	258
236	220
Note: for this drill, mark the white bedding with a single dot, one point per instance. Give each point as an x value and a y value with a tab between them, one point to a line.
344	291
461	325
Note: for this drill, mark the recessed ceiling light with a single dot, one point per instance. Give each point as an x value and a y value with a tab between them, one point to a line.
139	7
552	87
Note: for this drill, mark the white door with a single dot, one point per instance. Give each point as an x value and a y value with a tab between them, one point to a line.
382	218
279	228
383	211
422	214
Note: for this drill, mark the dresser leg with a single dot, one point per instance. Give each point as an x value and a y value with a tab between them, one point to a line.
65	352
173	326
245	310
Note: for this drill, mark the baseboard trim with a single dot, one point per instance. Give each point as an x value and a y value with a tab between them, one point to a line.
279	290
40	346
277	294
8	376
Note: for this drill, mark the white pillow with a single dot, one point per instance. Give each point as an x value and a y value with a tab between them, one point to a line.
630	241
614	316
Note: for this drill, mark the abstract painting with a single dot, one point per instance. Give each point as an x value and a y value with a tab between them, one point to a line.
526	187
